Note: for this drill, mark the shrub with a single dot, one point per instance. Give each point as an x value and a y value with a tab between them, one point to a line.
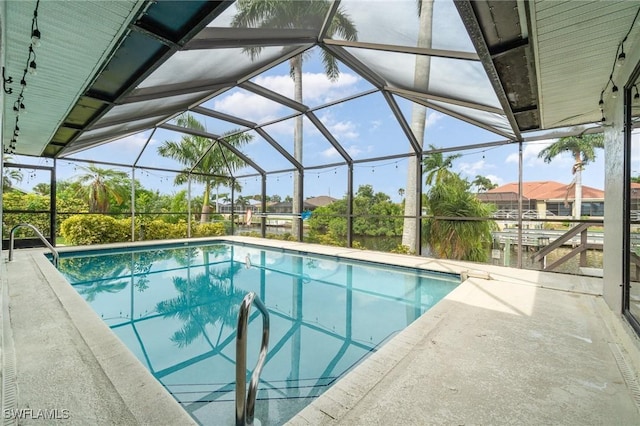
160	230
282	237
208	230
94	229
101	229
328	239
402	249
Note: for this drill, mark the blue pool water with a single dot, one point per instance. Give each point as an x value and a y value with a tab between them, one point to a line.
176	309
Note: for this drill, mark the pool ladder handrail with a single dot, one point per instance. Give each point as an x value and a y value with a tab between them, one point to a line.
39	234
246	402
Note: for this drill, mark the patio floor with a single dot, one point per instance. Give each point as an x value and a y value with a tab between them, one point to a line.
523	347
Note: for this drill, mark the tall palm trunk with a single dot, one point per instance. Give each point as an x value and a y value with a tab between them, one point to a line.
217	210
418	118
577	204
296	66
206	208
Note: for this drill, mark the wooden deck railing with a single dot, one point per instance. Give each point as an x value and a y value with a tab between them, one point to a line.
580	249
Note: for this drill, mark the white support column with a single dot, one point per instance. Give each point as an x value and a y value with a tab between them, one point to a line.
614	199
613	183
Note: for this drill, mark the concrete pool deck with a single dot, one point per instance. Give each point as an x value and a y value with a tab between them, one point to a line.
523	347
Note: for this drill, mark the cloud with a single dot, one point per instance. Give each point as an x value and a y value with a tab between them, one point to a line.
530	154
136	142
432	118
472	169
248	106
352	150
330	153
316	87
341	130
495	179
344	130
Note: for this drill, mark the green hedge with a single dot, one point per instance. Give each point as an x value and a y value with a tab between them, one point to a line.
208	229
94	229
101	229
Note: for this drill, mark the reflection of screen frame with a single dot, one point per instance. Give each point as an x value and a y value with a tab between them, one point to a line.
629	125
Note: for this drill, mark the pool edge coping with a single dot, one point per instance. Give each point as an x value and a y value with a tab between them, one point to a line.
145	397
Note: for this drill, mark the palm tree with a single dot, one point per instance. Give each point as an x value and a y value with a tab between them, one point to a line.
437	167
206	299
483	184
42	188
10	175
213	169
418	119
458	239
100	186
295	14
95	275
242	201
583	150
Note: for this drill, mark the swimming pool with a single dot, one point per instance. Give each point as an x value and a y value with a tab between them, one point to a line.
175	307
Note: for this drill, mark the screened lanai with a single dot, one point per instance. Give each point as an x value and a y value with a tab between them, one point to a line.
322	99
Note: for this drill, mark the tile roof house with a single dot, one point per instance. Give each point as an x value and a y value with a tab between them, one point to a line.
543	199
308	204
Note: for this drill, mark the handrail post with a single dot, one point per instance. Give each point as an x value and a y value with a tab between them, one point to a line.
245	403
39	234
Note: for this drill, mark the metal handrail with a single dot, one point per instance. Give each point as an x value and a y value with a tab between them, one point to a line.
39	234
246	403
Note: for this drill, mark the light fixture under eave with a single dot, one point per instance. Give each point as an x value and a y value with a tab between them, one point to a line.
621	56
636	97
35	38
32	64
6	80
35	31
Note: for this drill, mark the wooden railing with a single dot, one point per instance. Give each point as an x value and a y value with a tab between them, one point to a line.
580	249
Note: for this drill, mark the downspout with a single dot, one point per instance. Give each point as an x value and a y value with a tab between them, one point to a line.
3	47
133	204
418	236
300	203
189	206
350	206
263	218
233	205
519	204
53	208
